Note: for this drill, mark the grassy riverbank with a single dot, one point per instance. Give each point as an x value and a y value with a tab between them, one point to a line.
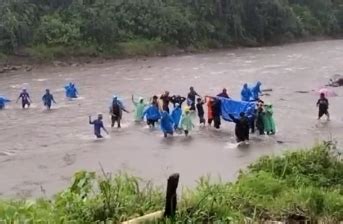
303	184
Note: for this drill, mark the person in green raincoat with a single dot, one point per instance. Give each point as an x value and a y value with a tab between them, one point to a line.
186	122
139	108
269	124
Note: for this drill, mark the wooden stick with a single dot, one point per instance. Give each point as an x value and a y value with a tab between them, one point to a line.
149	217
171	197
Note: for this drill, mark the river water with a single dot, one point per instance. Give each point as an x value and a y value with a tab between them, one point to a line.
40	151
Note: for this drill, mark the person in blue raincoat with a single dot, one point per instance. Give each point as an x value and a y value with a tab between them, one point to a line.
176	115
256	91
246	93
71	91
167	124
152	114
3	101
48	98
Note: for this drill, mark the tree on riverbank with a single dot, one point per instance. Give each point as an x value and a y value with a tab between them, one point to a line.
128	27
299	185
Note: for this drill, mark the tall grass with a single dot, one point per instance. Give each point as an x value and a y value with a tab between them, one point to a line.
300	185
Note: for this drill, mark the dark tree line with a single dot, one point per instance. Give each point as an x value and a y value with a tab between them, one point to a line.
182	23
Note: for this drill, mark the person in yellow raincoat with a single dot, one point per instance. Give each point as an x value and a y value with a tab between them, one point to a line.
268	120
186	122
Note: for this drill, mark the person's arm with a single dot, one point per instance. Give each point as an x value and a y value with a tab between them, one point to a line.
18	98
103	128
90	120
182	99
317	103
133	100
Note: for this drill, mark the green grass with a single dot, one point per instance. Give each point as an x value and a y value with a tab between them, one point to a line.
304	184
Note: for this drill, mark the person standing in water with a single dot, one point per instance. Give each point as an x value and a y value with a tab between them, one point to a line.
191	98
176	116
165	101
152	114
25	99
216	112
186	122
177	99
269	123
256	91
242	127
139	108
260	119
98	125
224	94
116	111
323	106
209	103
246	93
48	98
167	124
201	112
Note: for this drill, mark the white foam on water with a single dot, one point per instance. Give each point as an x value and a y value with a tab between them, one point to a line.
40	80
6	153
147	79
230	145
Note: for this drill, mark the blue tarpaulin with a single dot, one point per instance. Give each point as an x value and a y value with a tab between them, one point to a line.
235	107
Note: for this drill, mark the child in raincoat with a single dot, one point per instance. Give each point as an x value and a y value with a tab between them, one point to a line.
167	124
139	108
186	122
246	93
176	115
269	124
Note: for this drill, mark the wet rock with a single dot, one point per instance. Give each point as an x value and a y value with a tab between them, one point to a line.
60	64
28	68
15	67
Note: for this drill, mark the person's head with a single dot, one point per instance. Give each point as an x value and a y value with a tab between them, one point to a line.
47	91
224	90
100	116
155	98
115	98
141	100
24	90
245	86
187	110
259	83
199	100
166	93
242	114
191	89
322	95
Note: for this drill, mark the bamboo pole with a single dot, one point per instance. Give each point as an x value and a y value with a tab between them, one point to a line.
149	217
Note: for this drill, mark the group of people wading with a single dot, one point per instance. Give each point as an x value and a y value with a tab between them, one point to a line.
173	115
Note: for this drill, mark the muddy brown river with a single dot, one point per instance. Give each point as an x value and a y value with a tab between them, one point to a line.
41	150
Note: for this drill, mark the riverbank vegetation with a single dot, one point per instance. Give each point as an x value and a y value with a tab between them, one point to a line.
299	185
61	28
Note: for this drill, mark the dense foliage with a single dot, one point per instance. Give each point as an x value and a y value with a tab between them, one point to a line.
117	27
300	185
